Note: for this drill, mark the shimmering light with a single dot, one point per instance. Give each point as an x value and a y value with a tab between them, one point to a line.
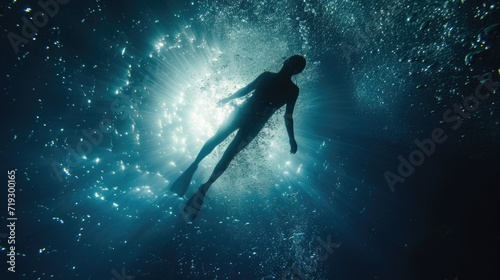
192	75
148	82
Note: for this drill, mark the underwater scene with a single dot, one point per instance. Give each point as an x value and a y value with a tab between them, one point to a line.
250	139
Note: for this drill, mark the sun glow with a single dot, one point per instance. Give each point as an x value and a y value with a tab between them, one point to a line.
187	74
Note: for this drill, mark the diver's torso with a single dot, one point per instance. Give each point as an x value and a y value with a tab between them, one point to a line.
272	92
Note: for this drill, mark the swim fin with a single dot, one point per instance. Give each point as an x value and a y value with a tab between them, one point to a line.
193	206
181	185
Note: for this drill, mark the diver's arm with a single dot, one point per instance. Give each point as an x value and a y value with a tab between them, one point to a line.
240	93
243	91
289	123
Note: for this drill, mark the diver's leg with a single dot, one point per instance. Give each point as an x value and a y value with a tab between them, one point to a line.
181	185
240	141
224	131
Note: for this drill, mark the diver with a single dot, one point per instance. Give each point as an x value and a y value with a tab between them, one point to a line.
270	92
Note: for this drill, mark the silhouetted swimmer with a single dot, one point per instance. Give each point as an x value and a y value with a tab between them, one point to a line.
270	92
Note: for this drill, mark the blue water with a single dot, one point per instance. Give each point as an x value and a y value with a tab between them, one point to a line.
106	103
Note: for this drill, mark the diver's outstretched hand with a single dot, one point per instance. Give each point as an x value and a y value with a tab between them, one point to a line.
222	101
293	146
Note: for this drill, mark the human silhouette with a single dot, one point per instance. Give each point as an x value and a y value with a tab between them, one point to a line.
270	92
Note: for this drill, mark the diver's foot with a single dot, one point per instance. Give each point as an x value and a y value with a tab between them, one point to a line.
181	185
193	206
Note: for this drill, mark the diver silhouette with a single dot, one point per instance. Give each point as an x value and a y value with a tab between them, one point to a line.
270	92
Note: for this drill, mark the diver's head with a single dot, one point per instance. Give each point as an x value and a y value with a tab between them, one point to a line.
294	64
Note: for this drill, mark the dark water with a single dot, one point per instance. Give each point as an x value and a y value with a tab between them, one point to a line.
397	125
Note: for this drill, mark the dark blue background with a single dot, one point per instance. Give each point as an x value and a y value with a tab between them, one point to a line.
438	224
